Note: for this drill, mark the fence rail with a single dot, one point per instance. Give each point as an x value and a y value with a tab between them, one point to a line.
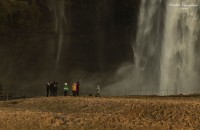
111	92
140	92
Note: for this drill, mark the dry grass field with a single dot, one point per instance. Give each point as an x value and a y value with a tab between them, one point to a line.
88	113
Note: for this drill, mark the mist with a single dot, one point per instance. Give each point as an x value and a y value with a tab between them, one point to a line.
165	60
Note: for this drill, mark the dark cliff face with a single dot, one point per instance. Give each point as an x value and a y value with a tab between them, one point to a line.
96	40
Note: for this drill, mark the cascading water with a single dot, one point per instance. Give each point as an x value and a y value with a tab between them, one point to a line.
165	43
178	56
147	49
58	8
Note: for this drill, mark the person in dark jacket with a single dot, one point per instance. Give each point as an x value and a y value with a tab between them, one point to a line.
77	88
47	88
55	89
51	89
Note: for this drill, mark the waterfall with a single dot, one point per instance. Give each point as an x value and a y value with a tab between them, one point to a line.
148	43
178	56
165	45
58	8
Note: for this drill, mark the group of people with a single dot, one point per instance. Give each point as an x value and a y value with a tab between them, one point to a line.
51	88
75	89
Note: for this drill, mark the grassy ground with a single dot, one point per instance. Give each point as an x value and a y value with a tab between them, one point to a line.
142	113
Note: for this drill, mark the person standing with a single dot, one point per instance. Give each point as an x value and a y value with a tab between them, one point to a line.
51	88
66	88
77	88
47	88
55	89
98	91
74	89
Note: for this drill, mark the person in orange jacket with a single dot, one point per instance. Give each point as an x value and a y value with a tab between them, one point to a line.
74	89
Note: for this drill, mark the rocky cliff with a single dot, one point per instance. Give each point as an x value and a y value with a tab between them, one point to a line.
96	40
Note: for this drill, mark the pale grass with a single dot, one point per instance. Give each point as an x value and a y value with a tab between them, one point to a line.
86	113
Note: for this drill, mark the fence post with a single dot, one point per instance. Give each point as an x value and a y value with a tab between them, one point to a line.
167	92
125	92
58	104
7	96
90	92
